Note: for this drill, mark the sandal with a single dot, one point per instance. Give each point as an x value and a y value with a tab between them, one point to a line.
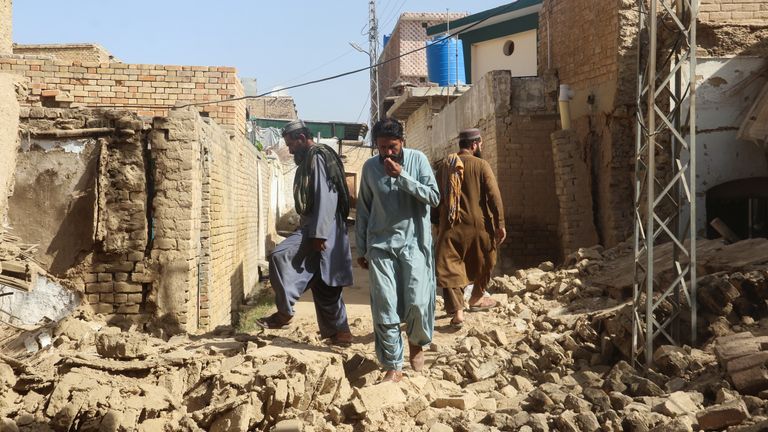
484	304
275	321
457	325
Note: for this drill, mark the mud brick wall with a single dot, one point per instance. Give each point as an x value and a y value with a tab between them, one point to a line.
123	188
163	223
82	197
9	121
527	181
733	11
117	273
574	194
239	200
148	90
6	27
516	119
272	107
601	67
66	52
177	205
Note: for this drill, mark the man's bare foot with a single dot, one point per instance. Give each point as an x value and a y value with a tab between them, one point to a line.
416	354
393	375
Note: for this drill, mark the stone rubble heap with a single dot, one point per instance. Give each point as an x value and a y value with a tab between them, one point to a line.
548	358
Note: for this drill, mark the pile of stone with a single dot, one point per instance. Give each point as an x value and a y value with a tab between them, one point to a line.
546	359
102	378
733	300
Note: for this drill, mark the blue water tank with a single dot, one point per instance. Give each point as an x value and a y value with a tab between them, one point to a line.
443	67
386	39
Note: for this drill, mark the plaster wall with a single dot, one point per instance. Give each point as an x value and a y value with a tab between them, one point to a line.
727	87
489	55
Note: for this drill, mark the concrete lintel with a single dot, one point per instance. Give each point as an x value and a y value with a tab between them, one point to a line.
415	97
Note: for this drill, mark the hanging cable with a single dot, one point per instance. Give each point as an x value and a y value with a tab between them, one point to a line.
304	84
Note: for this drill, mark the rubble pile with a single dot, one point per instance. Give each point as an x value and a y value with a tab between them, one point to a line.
548	358
98	377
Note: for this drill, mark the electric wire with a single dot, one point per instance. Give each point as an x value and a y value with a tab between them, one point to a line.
348	52
307	83
395	15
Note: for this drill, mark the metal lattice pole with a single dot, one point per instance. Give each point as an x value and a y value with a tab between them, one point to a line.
665	174
373	53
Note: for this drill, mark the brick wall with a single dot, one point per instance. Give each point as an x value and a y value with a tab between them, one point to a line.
9	122
240	181
163	222
228	203
516	143
417	132
574	194
272	107
526	178
601	67
590	58
6	27
176	152
66	52
354	156
148	90
733	11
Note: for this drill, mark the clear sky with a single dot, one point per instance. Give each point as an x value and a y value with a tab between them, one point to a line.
279	43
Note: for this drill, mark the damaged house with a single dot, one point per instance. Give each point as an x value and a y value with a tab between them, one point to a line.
565	189
150	213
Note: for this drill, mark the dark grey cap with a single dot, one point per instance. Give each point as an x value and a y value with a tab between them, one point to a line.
293	126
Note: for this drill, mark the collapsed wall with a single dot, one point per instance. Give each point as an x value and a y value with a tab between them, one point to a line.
9	121
6	27
604	86
732	43
159	221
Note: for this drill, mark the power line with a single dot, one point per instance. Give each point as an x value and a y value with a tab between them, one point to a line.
330	78
348	52
365	104
386	10
396	14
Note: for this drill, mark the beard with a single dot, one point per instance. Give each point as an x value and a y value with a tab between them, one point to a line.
478	154
299	155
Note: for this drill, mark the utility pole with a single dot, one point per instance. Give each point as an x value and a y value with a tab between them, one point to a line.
373	54
665	190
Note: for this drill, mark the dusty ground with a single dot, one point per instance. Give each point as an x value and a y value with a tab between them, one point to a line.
358	302
357	299
550	357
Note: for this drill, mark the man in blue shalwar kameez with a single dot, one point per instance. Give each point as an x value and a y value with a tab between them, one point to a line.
317	255
394	240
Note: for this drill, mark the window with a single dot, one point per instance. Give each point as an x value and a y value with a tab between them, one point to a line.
509	48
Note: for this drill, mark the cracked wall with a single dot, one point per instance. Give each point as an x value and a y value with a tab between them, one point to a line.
9	121
163	223
6	27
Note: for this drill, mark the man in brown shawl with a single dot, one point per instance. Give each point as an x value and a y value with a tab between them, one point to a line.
471	226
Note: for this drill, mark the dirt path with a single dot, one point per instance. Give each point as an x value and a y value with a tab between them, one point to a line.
357	299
